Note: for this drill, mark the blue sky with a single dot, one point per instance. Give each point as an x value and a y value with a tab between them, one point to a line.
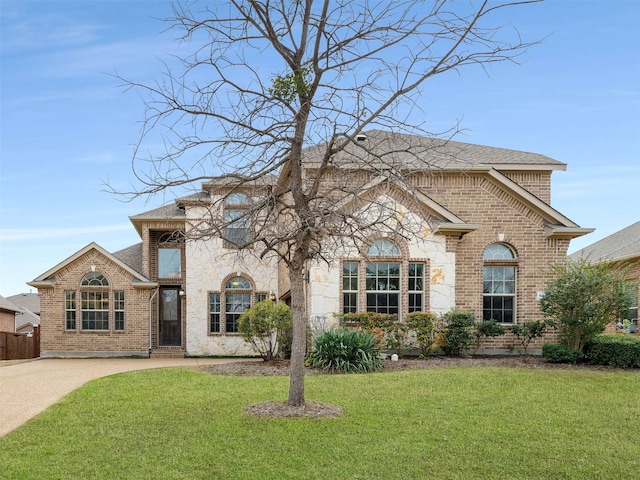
67	127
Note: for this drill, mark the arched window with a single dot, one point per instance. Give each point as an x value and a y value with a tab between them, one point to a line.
499	284
226	306
236	219
94	280
389	278
383	248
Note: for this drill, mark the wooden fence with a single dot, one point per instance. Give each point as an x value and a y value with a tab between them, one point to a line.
14	346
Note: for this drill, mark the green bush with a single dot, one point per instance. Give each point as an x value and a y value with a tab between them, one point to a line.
367	320
457	336
585	297
556	353
488	328
268	327
528	331
425	326
388	333
345	351
621	351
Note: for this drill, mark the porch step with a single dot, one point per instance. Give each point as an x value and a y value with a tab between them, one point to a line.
168	353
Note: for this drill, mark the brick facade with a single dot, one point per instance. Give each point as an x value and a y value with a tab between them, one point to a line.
457	212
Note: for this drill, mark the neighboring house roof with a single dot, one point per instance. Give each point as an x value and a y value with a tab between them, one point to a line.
8	306
382	149
621	245
29	301
46	280
29	305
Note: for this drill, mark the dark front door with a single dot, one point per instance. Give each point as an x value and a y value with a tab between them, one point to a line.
170	323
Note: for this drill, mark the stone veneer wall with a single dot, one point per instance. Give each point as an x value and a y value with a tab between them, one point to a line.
56	341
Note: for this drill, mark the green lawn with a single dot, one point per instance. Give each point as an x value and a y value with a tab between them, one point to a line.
445	423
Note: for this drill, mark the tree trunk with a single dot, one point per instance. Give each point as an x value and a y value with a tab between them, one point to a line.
299	343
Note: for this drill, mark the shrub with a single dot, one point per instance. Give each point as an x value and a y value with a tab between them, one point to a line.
457	336
268	327
585	297
528	331
488	328
388	333
424	325
556	353
345	351
621	351
367	320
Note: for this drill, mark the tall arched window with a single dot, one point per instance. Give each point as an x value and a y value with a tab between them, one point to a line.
95	302
236	219
499	284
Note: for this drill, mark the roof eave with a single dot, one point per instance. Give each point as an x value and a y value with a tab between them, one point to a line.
42	284
455	229
559	231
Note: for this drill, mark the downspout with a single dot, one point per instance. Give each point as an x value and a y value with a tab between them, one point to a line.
151	321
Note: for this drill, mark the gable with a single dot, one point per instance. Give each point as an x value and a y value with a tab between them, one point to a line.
83	260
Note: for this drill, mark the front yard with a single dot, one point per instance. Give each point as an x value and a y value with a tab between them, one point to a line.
444	423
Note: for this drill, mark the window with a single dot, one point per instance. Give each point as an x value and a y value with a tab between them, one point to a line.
118	311
226	307
95	307
392	285
170	255
416	287
499	284
349	287
236	219
95	310
70	310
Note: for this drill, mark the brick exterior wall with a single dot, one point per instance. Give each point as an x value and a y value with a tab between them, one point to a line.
57	341
7	321
478	200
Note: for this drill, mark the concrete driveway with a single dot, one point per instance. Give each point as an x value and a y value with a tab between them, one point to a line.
29	387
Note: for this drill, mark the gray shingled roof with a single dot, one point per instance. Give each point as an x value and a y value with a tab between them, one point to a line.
403	150
621	245
8	306
131	256
30	301
170	211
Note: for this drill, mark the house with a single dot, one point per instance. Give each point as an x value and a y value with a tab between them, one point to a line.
29	305
485	228
622	246
8	312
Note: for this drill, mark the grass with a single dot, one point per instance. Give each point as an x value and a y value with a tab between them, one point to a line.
449	423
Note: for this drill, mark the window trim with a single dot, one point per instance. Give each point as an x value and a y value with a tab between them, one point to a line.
372	256
222	322
237	204
500	261
88	293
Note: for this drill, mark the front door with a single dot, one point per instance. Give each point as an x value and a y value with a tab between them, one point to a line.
170	323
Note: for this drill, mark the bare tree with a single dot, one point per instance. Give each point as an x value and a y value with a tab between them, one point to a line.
283	88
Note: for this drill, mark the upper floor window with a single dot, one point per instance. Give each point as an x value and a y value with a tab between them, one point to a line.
226	306
499	284
236	218
170	256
